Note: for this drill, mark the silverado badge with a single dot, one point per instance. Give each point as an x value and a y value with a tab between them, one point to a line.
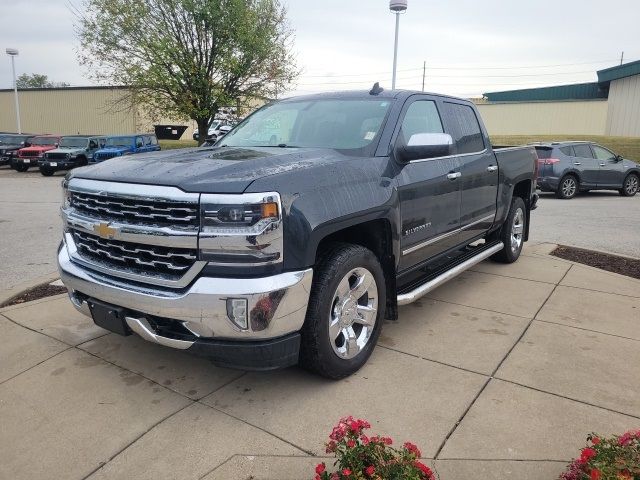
104	230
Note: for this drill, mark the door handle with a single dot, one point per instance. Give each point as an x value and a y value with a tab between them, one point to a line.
603	164
453	176
492	168
577	163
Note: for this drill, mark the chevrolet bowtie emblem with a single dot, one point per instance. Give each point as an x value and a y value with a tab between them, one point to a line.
104	230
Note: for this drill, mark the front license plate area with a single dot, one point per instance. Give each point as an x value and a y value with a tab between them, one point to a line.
109	317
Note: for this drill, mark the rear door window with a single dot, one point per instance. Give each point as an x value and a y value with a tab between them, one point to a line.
464	127
582	151
543	152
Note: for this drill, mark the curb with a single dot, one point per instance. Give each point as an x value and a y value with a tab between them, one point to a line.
19	289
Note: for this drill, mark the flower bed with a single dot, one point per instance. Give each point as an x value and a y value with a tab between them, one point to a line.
615	458
360	457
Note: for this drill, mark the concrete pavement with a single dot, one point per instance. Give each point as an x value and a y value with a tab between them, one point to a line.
501	373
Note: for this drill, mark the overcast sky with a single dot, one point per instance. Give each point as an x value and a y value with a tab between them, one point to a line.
470	47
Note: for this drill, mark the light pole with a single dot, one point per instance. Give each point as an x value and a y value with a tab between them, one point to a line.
13	53
397	7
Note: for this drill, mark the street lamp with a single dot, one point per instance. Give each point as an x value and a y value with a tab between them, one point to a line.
397	7
13	53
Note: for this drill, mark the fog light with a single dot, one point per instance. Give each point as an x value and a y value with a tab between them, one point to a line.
237	312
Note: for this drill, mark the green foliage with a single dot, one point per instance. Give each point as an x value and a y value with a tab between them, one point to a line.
188	58
37	80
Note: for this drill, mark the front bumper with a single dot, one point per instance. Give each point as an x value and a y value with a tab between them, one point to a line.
65	164
276	307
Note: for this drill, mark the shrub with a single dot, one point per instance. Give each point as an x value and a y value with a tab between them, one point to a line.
615	458
360	457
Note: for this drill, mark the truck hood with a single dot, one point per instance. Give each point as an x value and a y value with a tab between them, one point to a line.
207	170
38	148
115	150
66	150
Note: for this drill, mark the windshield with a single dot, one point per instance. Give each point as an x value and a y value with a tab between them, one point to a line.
12	139
44	141
120	142
73	142
327	123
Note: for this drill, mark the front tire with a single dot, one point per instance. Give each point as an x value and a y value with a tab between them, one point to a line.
512	232
568	187
47	172
630	185
21	167
345	312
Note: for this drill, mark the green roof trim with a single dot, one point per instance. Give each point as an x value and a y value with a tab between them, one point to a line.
621	71
578	91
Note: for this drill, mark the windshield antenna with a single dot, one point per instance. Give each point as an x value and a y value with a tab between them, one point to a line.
376	90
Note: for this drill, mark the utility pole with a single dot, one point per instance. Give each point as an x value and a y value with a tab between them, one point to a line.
621	58
424	72
397	7
13	53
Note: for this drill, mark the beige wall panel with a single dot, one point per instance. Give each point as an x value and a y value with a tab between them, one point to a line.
545	118
624	107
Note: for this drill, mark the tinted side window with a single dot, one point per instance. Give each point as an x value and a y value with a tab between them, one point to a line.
582	151
568	151
153	139
543	152
465	128
421	117
602	153
139	142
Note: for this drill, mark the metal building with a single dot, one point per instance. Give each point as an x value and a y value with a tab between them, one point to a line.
610	106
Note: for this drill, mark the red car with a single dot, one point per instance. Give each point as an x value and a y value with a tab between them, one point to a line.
29	156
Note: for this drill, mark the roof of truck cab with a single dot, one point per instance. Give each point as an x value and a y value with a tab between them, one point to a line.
353	94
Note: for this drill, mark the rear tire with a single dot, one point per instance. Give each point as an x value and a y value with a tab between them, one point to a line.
512	232
345	312
568	187
630	185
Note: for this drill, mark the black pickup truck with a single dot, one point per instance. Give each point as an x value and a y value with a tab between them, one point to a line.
295	236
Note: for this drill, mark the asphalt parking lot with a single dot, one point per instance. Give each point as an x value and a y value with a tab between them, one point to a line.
30	223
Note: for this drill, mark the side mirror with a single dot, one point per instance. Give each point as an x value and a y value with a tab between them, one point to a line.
425	145
619	158
55	145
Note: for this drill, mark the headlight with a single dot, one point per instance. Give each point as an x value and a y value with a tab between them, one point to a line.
241	229
66	196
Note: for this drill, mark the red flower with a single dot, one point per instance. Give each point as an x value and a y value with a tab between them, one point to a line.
346	472
410	447
351	443
595	474
320	468
587	454
595	440
424	469
370	470
331	446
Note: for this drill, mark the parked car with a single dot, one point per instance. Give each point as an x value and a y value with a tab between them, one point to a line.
10	143
213	132
28	156
263	255
126	145
569	167
73	151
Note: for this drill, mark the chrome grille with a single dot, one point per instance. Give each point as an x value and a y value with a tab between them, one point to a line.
136	211
136	258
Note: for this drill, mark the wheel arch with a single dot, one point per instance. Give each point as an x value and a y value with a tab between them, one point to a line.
376	235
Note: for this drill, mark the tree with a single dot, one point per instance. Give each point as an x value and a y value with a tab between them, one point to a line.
188	58
37	80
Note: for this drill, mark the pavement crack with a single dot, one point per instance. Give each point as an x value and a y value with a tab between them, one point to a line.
103	464
34	366
484	386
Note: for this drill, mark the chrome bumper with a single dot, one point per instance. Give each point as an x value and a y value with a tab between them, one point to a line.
276	305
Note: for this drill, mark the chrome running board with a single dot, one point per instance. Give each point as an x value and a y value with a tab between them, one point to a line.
425	288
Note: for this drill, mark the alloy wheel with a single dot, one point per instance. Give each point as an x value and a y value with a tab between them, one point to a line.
631	185
517	229
569	187
353	313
